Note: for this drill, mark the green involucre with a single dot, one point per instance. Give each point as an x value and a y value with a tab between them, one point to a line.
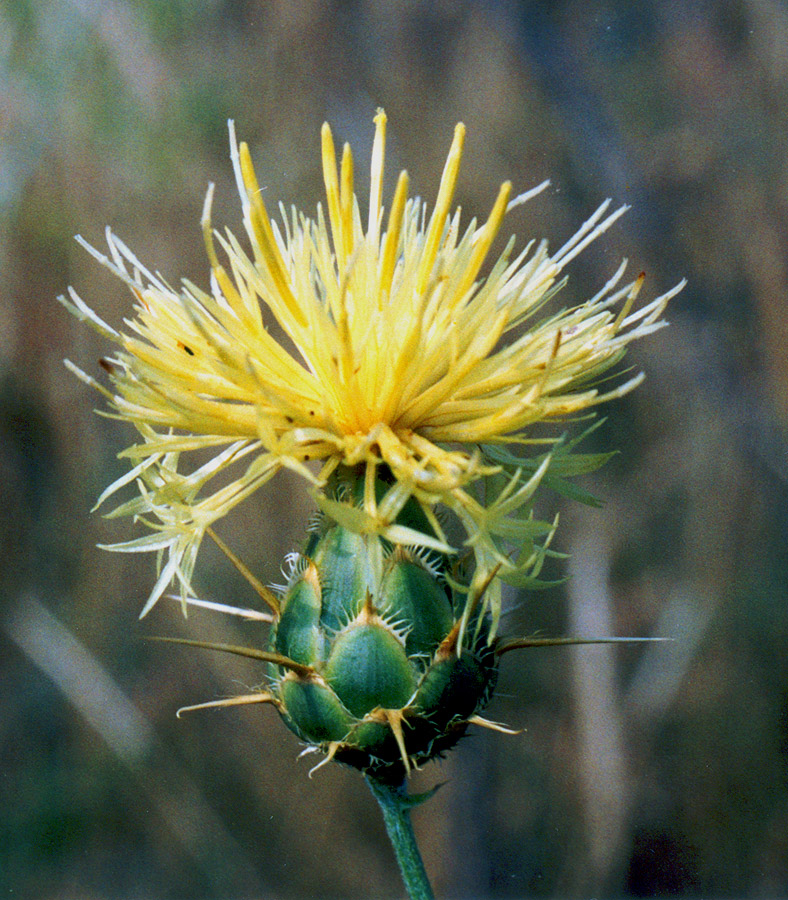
390	685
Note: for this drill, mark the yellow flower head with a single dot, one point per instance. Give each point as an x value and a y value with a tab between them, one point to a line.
376	344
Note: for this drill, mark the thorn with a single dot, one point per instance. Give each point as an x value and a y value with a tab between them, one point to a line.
493	726
395	719
449	644
301	670
400	554
488	580
260	589
368	612
332	749
260	697
522	643
311	577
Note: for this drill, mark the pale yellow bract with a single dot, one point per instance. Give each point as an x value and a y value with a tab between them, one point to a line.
396	352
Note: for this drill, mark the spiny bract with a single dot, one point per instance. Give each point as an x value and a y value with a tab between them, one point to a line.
385	675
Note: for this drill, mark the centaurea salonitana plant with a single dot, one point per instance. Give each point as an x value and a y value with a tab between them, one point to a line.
405	395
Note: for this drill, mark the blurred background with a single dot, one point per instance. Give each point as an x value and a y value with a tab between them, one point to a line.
655	770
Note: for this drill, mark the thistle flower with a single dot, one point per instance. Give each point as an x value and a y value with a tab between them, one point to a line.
398	355
403	387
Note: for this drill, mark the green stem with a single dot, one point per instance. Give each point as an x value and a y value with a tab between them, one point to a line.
395	805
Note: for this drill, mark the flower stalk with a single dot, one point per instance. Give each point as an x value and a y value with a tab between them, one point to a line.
395	806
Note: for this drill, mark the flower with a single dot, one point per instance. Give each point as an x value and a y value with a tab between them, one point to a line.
397	355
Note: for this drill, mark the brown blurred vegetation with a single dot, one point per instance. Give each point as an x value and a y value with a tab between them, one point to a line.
642	772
